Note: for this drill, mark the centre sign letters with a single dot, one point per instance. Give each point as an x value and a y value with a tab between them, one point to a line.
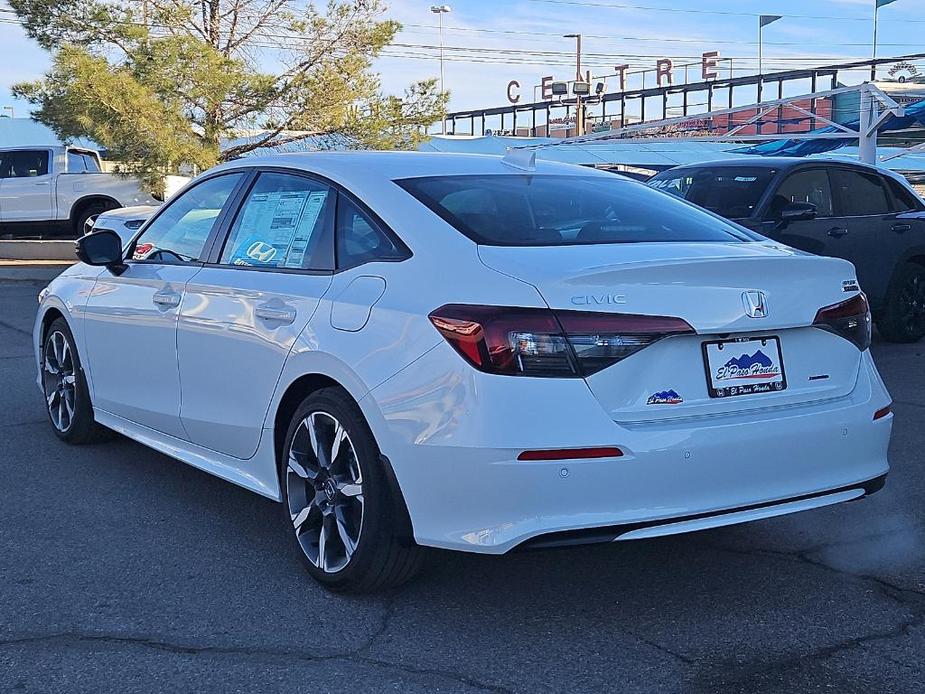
663	74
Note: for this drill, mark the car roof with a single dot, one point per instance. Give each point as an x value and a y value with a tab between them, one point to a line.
365	165
777	163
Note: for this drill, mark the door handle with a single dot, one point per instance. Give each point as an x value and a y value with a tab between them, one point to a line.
899	228
837	232
280	315
167	299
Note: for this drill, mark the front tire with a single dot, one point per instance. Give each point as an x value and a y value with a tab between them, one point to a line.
903	318
64	384
337	501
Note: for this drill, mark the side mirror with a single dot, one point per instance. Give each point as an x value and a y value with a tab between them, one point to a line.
798	212
103	247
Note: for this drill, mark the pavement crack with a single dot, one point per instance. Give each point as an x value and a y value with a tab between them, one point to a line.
744	672
77	638
9	326
361	655
437	672
283	655
659	647
908	597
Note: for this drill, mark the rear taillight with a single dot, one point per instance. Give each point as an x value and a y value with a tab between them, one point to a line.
543	342
849	319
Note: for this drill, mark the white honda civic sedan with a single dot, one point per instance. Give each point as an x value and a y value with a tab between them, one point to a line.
482	354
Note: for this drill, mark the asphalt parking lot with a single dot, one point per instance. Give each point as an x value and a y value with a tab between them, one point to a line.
122	570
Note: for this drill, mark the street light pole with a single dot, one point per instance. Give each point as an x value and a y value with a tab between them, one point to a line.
579	110
877	5
763	21
441	10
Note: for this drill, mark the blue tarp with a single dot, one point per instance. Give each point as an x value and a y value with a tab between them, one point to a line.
915	115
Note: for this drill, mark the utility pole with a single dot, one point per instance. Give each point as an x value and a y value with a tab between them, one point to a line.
579	108
441	10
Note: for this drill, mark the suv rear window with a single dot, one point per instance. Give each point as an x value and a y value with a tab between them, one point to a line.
729	191
549	210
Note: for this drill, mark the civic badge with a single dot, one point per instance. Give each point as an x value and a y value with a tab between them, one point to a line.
755	303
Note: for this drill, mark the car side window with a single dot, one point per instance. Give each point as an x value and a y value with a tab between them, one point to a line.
180	232
75	162
810	185
90	163
25	163
860	193
281	224
359	238
904	200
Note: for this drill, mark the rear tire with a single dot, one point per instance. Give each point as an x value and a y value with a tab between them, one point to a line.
337	500
903	318
64	384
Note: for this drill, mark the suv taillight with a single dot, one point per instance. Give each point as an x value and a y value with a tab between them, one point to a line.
543	342
849	319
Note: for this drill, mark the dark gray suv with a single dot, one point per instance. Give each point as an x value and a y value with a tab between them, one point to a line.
864	214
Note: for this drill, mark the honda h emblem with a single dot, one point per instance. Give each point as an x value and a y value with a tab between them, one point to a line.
755	303
261	252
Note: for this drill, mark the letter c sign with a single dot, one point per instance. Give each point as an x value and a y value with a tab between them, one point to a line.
513	96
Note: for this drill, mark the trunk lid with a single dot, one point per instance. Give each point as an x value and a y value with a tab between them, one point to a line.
706	285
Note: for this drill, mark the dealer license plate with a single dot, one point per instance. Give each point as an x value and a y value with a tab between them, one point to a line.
744	366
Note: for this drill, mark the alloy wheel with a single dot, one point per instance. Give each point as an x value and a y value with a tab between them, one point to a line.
324	486
59	380
912	298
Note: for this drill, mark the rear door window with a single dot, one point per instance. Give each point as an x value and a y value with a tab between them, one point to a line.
860	193
810	185
76	162
550	210
282	224
90	163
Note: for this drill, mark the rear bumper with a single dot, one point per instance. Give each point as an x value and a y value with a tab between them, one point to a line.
453	436
701	521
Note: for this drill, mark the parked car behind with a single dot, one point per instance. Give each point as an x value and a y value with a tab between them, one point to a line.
125	221
861	213
59	190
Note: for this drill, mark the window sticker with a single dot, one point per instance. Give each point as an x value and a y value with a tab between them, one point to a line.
281	224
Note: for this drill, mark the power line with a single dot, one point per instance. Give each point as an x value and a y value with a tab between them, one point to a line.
724	13
657	39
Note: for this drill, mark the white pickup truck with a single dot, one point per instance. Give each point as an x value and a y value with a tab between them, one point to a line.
59	190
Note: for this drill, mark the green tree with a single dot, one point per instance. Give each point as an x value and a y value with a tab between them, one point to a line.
161	83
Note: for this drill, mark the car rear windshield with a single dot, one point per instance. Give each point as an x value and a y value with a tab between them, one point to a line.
550	210
729	191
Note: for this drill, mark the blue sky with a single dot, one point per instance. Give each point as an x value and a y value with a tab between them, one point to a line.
504	32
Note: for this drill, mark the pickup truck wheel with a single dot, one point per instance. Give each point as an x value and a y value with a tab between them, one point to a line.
87	218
